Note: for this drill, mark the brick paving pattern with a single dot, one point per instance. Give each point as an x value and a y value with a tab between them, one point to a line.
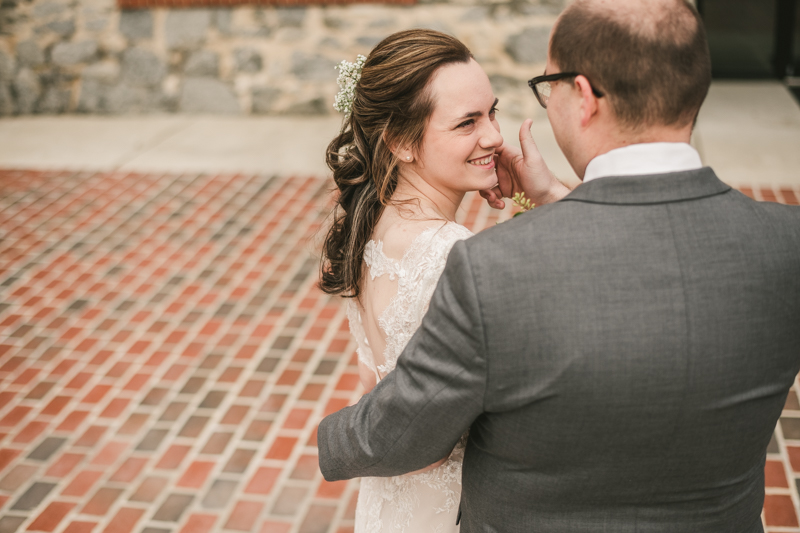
165	356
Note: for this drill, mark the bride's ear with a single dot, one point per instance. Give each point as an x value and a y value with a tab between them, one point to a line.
402	153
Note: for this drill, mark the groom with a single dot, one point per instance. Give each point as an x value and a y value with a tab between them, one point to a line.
620	356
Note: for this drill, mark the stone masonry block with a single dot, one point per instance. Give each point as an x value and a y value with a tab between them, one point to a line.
314	106
137	24
530	45
62	28
7	67
142	68
202	63
106	71
222	19
313	67
247	59
67	54
29	54
48	9
126	99
207	95
92	96
264	99
54	101
6	100
290	17
27	90
187	28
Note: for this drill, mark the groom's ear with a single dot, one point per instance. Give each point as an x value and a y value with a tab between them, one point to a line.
589	103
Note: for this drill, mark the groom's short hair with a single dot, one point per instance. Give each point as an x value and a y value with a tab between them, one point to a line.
650	58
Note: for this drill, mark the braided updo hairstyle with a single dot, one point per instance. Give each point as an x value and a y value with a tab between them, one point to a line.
391	108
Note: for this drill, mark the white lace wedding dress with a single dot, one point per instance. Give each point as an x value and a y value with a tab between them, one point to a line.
427	501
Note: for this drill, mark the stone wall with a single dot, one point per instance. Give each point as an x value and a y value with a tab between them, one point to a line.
87	56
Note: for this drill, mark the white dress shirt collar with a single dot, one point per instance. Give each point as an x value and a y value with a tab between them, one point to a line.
643	159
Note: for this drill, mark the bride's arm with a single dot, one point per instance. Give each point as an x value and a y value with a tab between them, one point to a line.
367	376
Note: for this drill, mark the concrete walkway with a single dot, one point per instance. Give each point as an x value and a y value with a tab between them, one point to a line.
749	132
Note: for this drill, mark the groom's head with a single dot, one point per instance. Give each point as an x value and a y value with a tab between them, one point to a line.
648	59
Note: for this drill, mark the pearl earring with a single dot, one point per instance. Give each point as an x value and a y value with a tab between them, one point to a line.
408	158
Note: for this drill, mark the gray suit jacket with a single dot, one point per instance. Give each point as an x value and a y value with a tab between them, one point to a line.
620	357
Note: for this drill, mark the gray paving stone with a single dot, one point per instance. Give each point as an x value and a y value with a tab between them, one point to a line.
268	364
194	426
173	507
317	519
790	427
152	440
239	461
219	494
289	501
325	367
33	496
46	449
193	385
213	399
17	477
11	524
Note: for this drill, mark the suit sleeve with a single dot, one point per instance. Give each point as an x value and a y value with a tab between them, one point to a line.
417	413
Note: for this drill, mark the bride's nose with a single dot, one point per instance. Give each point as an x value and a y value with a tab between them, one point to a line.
490	135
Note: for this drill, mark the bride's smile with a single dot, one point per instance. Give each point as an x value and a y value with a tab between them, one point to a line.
485	162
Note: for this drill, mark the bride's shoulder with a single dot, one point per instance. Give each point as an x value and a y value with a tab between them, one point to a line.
398	235
402	235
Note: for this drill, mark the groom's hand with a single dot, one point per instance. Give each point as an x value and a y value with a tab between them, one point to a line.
523	170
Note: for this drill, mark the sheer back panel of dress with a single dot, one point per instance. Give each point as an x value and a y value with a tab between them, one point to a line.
399	281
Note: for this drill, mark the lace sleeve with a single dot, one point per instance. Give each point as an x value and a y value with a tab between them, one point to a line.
357	331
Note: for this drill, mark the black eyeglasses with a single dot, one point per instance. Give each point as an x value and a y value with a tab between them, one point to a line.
542	87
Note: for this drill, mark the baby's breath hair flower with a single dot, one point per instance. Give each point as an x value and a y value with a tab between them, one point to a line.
349	74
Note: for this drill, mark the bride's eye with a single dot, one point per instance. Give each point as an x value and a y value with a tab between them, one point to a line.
466	123
492	111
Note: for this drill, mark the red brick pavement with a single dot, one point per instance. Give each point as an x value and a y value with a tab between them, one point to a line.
165	356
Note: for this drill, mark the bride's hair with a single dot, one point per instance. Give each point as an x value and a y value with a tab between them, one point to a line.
390	108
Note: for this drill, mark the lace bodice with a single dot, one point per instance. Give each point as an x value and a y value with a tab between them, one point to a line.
417	274
424	502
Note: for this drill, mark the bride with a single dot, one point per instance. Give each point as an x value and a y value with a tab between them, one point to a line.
419	133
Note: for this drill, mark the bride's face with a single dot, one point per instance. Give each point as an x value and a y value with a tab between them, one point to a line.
462	133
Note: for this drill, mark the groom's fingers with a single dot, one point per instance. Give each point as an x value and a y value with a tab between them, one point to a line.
492	198
526	141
